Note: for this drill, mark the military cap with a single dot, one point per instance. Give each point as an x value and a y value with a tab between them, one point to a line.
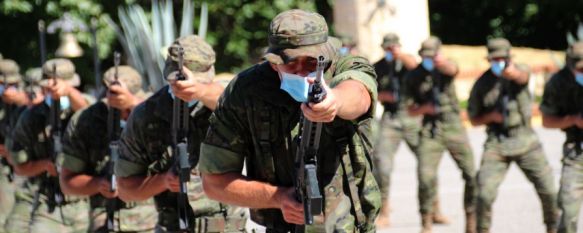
65	71
295	33
347	40
9	71
498	47
390	40
126	75
575	53
32	77
430	47
199	56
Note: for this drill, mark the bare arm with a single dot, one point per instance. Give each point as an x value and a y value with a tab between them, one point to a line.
213	91
33	168
418	110
140	188
78	184
234	188
77	99
353	98
550	121
484	119
408	61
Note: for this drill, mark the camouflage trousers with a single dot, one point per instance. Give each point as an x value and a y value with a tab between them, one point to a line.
571	191
493	169
392	130
140	218
451	136
20	220
6	197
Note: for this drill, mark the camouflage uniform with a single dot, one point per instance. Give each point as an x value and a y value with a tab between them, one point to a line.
86	151
441	132
396	124
31	143
145	149
8	112
257	123
512	141
564	97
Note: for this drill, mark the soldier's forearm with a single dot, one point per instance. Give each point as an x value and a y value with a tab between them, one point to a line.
140	188
77	99
32	168
558	122
235	189
78	184
353	98
211	98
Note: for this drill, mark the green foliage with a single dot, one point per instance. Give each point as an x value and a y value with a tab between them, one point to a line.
532	23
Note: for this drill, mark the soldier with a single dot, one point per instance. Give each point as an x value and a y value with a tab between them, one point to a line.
38	208
348	46
257	123
431	92
501	101
396	124
86	155
12	100
562	108
145	168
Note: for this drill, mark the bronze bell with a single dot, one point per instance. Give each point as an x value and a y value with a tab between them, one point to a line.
69	47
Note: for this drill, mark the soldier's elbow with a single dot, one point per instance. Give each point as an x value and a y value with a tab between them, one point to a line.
208	186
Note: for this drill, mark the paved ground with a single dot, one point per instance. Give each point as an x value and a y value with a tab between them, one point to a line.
516	210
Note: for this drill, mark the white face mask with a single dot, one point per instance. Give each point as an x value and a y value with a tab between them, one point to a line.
296	86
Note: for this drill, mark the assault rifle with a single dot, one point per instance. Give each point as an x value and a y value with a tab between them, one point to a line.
113	134
435	92
306	185
180	117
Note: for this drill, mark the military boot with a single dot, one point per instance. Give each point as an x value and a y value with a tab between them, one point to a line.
426	223
438	217
471	225
383	220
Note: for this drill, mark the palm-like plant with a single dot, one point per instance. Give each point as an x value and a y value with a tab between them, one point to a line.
144	41
572	38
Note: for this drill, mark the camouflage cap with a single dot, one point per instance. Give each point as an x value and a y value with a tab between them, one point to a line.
199	56
430	47
126	75
10	71
575	53
347	40
32	78
390	40
498	47
65	71
295	33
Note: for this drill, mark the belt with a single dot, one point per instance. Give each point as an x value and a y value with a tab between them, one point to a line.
220	224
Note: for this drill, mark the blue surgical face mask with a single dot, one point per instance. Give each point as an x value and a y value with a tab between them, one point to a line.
296	86
122	124
497	67
190	104
2	88
344	51
389	56
427	63
63	101
579	78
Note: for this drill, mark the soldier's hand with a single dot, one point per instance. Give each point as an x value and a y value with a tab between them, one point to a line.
440	61
293	211
51	169
496	117
121	98
511	72
104	188
61	88
171	182
324	111
193	88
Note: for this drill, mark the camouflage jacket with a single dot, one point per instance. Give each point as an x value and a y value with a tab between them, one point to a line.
387	73
488	95
257	123
418	90
145	150
563	97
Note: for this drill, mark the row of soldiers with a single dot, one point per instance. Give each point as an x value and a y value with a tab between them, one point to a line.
421	108
64	147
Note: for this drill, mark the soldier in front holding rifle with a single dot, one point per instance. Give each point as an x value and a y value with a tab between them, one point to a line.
431	92
500	100
89	145
42	207
260	117
160	145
